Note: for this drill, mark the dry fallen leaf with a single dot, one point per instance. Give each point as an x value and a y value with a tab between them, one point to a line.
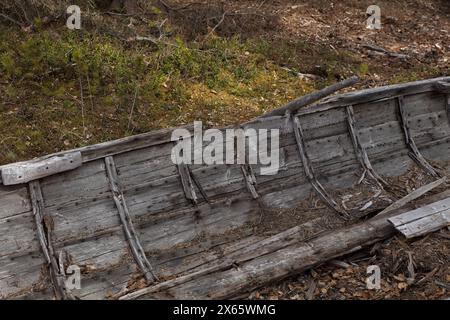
402	285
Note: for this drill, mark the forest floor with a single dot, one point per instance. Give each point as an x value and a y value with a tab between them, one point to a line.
166	63
417	269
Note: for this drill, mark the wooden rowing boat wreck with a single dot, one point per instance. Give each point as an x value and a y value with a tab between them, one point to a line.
138	226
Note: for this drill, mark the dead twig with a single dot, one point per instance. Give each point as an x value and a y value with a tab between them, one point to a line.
82	108
216	26
4	16
90	92
442	284
132	108
168	7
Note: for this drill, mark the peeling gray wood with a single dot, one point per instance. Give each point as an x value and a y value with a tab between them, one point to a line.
415	153
130	232
24	172
423	220
419	213
14	200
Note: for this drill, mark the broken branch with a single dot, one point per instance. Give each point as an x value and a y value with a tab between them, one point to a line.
296	104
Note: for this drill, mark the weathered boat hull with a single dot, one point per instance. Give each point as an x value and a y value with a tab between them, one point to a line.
121	212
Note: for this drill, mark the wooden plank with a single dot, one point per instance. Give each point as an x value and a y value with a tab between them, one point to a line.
423	103
85	184
425	225
427	116
127	224
23	172
419	213
428	127
423	220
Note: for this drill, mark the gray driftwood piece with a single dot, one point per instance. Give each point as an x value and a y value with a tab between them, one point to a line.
413	196
310	98
423	220
24	172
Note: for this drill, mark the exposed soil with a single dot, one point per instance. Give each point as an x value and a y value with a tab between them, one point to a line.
346	278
